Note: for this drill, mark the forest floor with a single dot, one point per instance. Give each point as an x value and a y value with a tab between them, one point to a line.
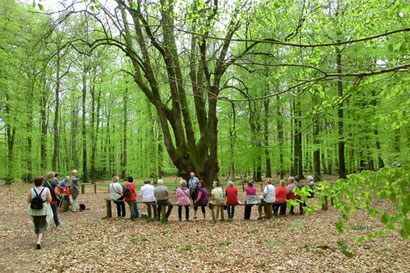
88	243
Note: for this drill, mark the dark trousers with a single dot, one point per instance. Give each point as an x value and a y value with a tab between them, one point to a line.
248	210
120	207
161	203
231	211
55	215
282	209
186	212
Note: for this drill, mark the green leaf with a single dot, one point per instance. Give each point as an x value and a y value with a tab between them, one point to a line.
345	217
404	234
385	218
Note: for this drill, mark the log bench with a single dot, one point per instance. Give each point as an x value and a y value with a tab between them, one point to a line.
268	209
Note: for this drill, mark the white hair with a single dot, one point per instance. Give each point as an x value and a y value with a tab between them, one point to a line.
310	178
115	178
182	182
230	183
291	178
66	178
160	182
74	171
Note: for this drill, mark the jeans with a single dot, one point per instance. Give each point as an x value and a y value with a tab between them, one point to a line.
161	203
135	213
186	212
248	210
231	211
54	208
282	209
154	207
120	207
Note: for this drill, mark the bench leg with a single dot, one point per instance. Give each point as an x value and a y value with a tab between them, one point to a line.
108	206
163	217
269	211
95	188
221	208
82	189
66	203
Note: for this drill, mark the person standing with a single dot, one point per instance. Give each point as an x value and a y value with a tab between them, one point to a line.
193	190
147	194
74	190
250	199
231	199
130	196
42	214
202	198
161	194
182	195
55	196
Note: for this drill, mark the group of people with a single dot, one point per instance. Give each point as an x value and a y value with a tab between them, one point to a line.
156	197
45	198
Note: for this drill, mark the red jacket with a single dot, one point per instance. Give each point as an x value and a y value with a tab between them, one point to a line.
231	195
280	194
132	189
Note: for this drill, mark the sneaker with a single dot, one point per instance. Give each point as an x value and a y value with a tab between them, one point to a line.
195	217
38	246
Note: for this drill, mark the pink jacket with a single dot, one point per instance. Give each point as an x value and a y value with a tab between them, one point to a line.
183	197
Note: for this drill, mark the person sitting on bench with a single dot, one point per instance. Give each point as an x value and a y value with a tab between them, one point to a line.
161	195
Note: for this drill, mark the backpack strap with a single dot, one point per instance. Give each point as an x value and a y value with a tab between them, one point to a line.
51	187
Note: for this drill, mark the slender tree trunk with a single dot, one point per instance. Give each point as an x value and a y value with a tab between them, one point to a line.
84	128
56	117
124	151
341	143
28	177
280	139
266	139
74	133
44	126
316	152
93	130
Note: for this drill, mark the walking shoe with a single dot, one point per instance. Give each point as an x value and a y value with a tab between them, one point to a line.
38	246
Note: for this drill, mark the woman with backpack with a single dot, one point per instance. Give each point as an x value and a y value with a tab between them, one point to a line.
39	199
116	195
130	196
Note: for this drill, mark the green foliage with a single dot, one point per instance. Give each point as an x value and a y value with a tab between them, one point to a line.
358	191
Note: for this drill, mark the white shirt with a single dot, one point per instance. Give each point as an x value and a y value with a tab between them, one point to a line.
115	191
270	193
147	192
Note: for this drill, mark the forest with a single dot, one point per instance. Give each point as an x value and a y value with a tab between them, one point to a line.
236	91
239	89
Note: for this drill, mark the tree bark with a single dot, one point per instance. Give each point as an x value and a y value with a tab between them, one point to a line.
341	142
266	139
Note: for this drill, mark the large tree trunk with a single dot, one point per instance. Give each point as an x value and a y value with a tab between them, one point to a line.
316	150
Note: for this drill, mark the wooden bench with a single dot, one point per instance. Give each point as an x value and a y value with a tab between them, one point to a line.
268	209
